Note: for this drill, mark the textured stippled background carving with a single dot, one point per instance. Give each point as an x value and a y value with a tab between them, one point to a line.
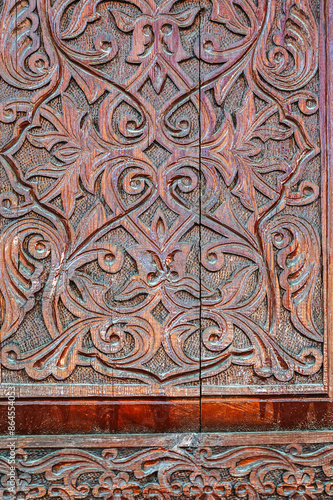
169	467
161	197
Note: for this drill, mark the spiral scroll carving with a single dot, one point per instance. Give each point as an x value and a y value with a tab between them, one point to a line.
200	472
160	195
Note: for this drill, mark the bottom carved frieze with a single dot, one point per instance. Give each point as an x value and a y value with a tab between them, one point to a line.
298	466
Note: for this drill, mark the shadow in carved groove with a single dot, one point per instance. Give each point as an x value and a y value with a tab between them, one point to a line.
160	215
251	472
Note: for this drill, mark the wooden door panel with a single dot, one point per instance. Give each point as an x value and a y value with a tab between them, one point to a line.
162	211
101	295
261	138
165	215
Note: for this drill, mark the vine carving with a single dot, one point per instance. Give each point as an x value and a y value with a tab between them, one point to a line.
160	167
251	472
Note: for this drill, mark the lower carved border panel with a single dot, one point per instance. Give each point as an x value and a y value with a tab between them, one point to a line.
294	465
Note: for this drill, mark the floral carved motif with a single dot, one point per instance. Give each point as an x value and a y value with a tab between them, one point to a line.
251	472
160	195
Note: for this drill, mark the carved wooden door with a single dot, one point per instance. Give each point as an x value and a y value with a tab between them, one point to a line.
165	236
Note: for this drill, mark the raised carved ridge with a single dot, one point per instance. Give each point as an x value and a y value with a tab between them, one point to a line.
182	466
160	196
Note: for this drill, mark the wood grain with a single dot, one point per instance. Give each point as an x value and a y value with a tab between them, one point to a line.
113	416
203	466
163	199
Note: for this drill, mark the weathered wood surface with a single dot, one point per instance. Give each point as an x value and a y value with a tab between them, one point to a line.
203	467
165	230
163	198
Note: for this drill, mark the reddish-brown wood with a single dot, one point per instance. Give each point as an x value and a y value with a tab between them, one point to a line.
163	199
110	416
166	242
172	466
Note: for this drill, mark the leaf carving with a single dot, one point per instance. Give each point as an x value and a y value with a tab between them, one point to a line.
224	12
23	275
292	59
84	12
297	245
78	150
148	169
241	154
124	21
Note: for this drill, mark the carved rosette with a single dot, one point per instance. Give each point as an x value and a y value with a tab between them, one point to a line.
160	204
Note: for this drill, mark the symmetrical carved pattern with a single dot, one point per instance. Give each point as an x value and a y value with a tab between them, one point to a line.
203	473
160	208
